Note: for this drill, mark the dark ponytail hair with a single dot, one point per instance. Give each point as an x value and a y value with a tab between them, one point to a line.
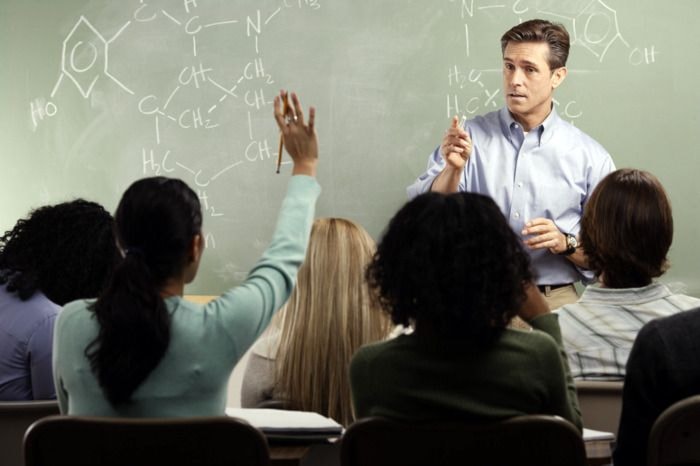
154	225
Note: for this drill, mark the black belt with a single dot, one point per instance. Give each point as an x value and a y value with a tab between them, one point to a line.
543	288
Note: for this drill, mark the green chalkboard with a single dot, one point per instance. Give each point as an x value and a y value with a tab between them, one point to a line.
96	94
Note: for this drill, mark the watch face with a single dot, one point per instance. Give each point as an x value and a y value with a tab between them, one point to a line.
571	241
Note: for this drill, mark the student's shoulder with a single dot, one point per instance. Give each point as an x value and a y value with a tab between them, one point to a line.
39	307
542	338
674	326
381	349
76	310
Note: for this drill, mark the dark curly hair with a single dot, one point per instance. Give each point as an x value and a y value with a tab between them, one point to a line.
66	251
452	265
627	229
155	223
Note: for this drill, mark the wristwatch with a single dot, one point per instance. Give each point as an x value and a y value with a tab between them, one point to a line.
571	245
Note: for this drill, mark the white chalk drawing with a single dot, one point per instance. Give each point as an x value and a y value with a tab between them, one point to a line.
201	94
85	62
594	28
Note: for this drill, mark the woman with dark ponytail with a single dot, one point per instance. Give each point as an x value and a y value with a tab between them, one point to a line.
140	349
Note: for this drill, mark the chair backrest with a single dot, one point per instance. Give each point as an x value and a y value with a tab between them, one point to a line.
601	404
15	418
525	440
83	441
675	436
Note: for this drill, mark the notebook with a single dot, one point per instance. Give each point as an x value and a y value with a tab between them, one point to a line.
285	424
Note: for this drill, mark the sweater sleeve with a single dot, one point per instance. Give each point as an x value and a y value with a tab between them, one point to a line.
564	397
642	398
425	181
247	309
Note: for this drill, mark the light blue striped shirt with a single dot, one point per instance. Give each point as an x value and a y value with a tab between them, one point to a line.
599	330
549	172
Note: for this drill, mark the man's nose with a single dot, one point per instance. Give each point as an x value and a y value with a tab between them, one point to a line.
516	77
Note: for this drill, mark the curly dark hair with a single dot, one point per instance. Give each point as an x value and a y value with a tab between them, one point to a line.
452	265
627	229
66	251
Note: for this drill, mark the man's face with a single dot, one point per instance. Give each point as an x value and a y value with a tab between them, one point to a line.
528	83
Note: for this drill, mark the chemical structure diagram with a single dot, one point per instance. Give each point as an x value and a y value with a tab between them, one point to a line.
85	61
594	27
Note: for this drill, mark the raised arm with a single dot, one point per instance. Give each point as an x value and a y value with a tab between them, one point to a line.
456	148
247	309
446	163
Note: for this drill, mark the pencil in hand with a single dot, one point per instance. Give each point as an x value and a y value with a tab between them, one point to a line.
285	103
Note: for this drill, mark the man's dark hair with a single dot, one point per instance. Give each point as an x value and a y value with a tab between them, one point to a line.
627	229
452	265
539	30
66	251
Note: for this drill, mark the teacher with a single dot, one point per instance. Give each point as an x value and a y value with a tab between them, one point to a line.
538	168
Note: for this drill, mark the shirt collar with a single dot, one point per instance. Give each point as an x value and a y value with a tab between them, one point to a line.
545	131
652	292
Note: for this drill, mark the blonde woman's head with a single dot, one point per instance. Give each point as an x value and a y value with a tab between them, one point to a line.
330	314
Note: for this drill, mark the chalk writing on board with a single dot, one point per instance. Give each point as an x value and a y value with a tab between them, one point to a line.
83	62
200	97
190	101
592	25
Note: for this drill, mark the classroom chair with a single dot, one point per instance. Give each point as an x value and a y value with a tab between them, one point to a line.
601	404
675	435
525	440
15	418
205	441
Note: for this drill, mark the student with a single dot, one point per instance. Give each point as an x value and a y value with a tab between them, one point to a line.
626	232
663	368
538	168
330	314
57	254
141	350
451	266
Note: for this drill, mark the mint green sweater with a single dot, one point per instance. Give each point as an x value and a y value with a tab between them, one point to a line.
521	373
206	341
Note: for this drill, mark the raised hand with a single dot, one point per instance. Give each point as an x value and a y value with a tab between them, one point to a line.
299	137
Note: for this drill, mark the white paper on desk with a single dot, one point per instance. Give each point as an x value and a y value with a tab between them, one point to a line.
288	422
590	435
598	443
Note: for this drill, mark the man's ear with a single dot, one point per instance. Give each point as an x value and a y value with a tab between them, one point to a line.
558	76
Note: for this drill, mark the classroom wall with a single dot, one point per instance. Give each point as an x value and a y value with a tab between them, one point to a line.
96	94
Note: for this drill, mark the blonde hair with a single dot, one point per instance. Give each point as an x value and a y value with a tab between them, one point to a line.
330	314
